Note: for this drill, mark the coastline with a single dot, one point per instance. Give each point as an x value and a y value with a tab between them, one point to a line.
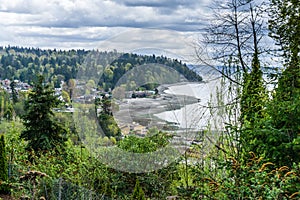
145	111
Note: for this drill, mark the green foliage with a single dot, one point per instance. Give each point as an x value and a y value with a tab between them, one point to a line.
3	160
156	184
6	107
252	108
42	131
3	168
107	122
255	180
57	65
115	70
138	193
19	106
14	92
65	96
285	107
76	165
109	125
15	147
285	116
254	96
70	87
269	129
151	143
285	28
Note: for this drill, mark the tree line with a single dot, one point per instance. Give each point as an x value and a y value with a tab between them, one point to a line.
60	65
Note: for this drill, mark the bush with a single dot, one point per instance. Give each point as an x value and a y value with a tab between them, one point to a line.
138	193
255	180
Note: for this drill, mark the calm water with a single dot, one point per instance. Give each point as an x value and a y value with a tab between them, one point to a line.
197	116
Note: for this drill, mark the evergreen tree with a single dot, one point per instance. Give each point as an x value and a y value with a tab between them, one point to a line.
254	94
285	28
14	93
284	141
106	120
253	101
42	131
3	167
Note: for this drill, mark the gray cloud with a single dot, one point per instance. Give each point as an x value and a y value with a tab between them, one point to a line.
165	7
160	3
75	13
73	23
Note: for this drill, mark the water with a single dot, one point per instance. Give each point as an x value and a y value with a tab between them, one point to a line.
197	116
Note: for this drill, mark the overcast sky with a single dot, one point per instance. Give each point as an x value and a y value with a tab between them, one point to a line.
125	25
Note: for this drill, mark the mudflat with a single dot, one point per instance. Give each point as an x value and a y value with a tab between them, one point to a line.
141	110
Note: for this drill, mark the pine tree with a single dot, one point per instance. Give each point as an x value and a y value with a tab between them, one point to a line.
42	131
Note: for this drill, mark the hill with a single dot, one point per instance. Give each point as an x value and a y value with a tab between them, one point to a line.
62	65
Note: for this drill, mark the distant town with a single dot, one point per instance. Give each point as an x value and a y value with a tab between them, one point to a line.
19	85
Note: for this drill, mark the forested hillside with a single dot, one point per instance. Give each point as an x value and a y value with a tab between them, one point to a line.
57	65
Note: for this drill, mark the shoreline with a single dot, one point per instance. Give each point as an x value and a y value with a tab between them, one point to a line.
140	112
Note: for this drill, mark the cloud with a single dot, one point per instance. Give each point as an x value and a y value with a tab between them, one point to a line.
85	24
144	40
167	7
78	13
160	3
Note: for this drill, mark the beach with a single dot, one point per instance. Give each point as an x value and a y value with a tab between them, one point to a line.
178	106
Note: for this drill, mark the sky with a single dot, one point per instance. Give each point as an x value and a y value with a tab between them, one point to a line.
149	26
